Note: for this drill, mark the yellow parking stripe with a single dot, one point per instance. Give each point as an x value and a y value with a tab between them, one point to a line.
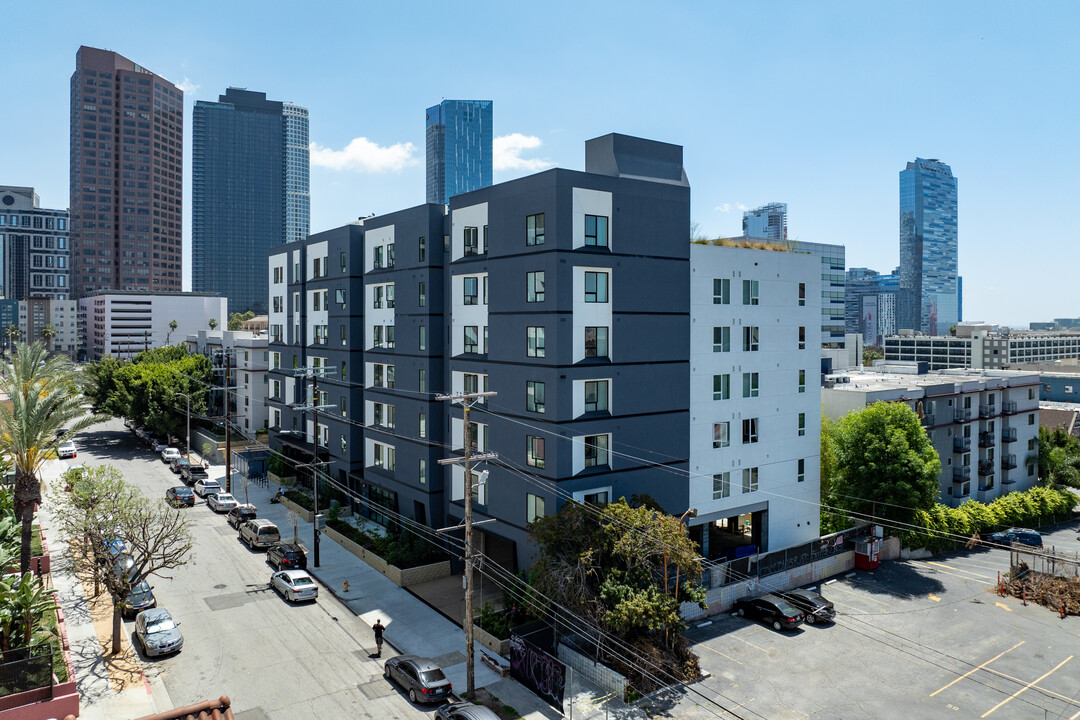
980	667
719	653
950	567
1027	687
946	572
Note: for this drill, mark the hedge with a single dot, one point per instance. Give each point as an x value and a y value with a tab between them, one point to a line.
403	550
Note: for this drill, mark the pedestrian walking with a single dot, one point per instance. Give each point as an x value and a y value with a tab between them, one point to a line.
378	630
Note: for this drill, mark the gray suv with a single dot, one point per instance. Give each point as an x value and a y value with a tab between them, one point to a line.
259	533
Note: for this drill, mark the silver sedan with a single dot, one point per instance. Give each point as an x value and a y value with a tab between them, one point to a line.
294	585
221	502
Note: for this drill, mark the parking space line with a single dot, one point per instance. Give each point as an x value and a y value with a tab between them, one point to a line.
1059	696
1077	715
975	669
950	567
1027	687
839	587
946	572
719	653
750	644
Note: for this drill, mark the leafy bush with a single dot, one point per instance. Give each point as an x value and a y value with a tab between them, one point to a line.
942	523
403	550
495	622
301	498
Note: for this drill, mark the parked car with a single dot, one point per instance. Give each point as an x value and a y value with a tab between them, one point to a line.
124	566
158	446
294	585
221	502
1023	536
180	496
158	633
141	431
420	677
67	450
259	533
169	454
178	465
465	711
290	557
115	547
814	606
772	609
140	598
240	515
205	486
193	473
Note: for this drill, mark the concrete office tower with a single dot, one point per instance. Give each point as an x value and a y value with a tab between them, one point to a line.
35	257
249	192
127	139
767	221
459	154
929	286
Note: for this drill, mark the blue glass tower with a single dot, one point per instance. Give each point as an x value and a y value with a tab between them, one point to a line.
249	192
929	283
459	153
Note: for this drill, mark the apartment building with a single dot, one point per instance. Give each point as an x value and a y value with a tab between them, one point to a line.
249	365
39	313
984	424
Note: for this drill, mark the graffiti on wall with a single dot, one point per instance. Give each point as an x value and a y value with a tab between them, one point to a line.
537	670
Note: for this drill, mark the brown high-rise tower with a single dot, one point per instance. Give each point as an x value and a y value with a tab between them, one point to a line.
127	140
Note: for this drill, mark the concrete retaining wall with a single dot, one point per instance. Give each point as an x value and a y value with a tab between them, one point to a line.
721	599
492	643
401	578
600	675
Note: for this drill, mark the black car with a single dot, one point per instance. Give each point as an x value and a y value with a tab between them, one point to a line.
772	609
193	473
180	496
177	465
816	608
140	598
465	711
420	677
287	557
240	515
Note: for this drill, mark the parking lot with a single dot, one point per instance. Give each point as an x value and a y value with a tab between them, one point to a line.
918	639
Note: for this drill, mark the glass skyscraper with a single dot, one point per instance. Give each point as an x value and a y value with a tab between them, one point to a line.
929	283
249	192
459	152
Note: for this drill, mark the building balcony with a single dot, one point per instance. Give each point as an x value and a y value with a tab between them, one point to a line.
961	473
1008	462
986	440
927	421
986	411
1008	435
986	467
961	444
962	416
1008	408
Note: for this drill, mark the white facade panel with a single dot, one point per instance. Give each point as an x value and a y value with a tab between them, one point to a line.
473	216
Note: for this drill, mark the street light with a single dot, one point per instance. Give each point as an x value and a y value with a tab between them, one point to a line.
187	440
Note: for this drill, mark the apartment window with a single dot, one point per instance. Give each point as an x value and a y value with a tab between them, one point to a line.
279	275
485	289
1031	393
721	434
390	296
377	336
471	339
378	258
721	291
750	385
750	338
534	282
1032	444
749	480
802	470
1031	419
339	297
596	450
749	431
423	294
470	292
721	486
534	229
316	268
422	381
344	264
534	508
596	233
296	302
535	343
472	241
485	240
802	294
802	424
721	386
383	375
385	457
596	287
721	339
596	396
802	381
596	342
276	359
343	406
423	337
279	304
599	499
342	327
534	451
479	490
421	473
275	389
422	249
423	425
802	337
344	374
749	292
390	255
485	339
535	396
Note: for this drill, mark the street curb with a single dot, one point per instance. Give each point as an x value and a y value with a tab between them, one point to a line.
345	601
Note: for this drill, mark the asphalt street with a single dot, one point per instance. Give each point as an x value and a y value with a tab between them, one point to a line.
241	639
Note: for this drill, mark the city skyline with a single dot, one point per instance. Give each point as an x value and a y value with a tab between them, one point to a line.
993	80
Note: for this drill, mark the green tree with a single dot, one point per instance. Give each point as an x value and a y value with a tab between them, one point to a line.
886	464
870	354
49	333
44	398
627	570
1058	457
236	320
13	334
172	328
831	520
212	323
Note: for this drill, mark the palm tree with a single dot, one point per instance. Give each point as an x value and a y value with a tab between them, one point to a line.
43	399
48	332
212	323
172	328
13	334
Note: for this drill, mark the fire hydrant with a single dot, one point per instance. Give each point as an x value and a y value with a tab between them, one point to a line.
345	586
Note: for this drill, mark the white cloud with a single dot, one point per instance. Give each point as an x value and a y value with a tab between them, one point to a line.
506	153
187	86
723	207
363	155
740	207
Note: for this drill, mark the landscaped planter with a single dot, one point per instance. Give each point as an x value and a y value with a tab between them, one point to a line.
287	481
39	564
400	577
305	515
37	705
482	636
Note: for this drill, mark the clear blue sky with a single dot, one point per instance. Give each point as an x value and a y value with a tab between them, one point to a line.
816	104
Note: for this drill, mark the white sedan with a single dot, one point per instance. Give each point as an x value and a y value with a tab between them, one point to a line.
170	453
221	502
294	585
67	450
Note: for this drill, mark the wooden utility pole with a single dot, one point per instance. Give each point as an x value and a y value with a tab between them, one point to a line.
314	407
467	400
228	424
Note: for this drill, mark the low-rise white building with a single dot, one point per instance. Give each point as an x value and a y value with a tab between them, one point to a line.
755	396
984	424
122	324
248	374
